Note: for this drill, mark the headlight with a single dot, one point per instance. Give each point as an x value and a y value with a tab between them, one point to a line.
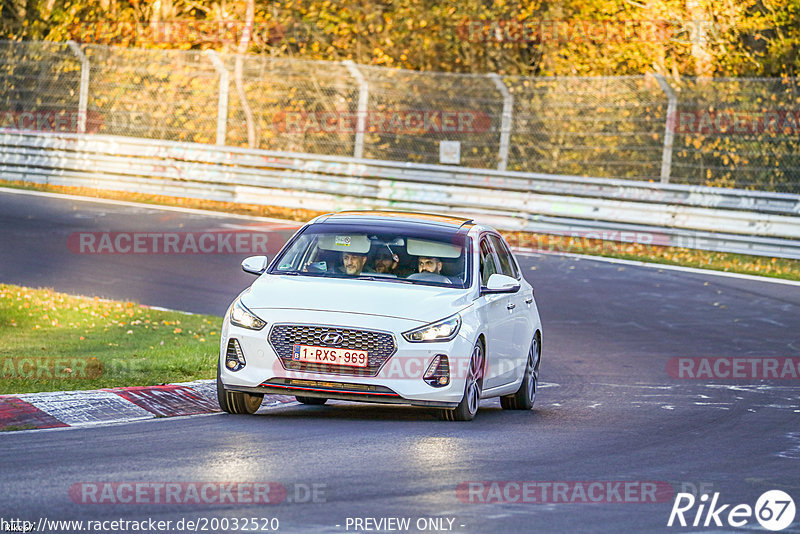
241	316
443	330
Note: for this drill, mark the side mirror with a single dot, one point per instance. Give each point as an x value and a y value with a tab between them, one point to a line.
255	264
500	283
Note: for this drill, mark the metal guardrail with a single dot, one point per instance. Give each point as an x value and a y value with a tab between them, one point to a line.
701	217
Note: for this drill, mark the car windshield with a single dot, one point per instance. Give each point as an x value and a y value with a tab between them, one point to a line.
413	255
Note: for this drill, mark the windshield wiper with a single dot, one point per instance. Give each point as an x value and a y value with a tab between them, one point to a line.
385	279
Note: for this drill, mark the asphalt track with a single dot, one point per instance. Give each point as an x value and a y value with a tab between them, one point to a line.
608	411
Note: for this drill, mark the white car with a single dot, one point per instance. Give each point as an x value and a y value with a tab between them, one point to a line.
384	307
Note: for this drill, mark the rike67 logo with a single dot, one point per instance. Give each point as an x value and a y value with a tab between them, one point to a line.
774	510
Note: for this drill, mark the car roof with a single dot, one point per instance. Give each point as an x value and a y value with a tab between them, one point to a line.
395	216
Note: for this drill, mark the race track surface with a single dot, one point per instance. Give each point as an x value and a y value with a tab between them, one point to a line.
608	411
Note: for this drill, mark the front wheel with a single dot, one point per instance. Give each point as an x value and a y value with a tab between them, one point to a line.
236	402
468	407
525	396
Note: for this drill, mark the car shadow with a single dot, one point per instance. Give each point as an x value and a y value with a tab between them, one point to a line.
490	412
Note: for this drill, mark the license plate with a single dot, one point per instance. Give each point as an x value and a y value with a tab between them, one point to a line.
330	355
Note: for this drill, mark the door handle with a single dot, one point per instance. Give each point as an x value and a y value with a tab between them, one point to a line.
528	300
511	306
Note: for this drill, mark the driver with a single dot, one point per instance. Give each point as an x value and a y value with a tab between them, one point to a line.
429	265
353	263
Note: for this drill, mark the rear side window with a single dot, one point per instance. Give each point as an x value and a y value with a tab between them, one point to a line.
507	265
488	267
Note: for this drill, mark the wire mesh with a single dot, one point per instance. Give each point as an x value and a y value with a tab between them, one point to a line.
588	126
290	101
155	94
742	133
40	86
411	112
727	132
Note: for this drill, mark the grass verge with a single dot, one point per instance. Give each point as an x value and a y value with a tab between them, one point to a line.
54	342
701	259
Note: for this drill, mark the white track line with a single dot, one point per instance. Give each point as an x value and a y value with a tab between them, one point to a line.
193	211
210	213
152	419
664	266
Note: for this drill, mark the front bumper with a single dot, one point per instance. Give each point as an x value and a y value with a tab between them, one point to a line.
398	381
336	390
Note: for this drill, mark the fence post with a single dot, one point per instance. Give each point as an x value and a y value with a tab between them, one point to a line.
669	131
83	94
363	98
224	90
505	123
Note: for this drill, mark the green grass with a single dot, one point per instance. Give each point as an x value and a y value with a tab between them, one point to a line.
701	259
51	341
14	428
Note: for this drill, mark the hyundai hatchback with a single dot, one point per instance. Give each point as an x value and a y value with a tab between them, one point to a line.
384	307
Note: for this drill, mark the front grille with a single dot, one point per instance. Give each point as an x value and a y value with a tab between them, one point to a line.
336	387
380	346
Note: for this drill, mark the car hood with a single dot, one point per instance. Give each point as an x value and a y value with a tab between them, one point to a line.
390	299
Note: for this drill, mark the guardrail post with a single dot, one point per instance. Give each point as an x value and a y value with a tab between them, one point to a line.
505	123
669	131
363	99
83	94
224	90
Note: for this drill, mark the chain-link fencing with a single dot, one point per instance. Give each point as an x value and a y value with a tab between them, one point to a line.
742	133
40	82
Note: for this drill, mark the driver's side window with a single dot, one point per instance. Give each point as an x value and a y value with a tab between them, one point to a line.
488	267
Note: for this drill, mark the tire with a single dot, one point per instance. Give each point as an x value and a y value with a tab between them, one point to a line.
236	402
525	396
470	402
313	401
